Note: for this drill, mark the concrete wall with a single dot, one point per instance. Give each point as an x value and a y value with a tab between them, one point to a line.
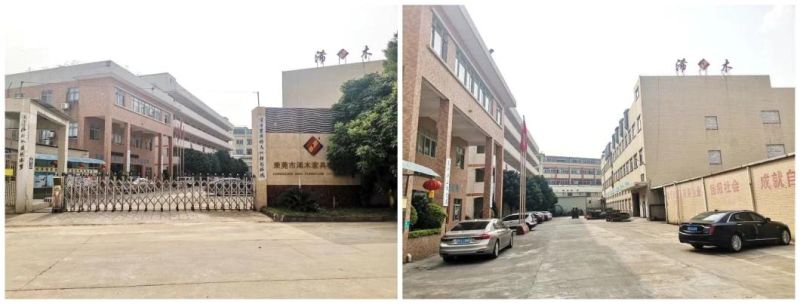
771	192
320	87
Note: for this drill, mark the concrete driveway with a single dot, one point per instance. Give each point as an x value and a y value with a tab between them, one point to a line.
230	254
576	258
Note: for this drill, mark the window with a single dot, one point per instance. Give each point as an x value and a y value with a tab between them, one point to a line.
167	118
439	39
479	175
770	117
460	157
94	133
480	149
714	157
641	156
240	142
249	151
741	217
757	217
47	97
711	123
499	115
19	95
239	151
426	145
73	130
73	94
250	142
137	142
116	138
775	150
457	209
120	101
636	94
46	137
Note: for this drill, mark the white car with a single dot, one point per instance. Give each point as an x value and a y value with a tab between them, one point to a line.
512	220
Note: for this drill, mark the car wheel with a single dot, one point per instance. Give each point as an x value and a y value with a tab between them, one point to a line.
735	243
697	246
511	242
496	250
786	238
448	259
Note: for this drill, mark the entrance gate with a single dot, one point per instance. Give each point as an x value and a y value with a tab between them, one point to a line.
104	193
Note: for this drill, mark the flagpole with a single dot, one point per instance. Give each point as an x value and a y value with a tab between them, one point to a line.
523	176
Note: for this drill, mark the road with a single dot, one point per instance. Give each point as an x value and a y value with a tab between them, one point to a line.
576	258
233	254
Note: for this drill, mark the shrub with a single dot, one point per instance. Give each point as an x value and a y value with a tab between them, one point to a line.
429	215
423	232
298	200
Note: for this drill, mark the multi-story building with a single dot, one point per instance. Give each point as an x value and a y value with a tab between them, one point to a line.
454	98
320	87
243	146
131	122
681	127
511	161
576	181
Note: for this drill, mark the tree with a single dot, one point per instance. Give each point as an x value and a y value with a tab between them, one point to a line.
549	198
364	140
510	190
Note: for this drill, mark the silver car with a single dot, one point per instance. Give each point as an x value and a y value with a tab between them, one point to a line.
476	237
512	220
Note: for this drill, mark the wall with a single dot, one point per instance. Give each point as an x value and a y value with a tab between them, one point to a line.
320	87
421	247
771	192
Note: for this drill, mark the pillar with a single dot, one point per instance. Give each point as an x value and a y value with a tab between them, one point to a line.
444	127
487	177
169	156
26	153
159	159
62	138
107	140
126	142
498	180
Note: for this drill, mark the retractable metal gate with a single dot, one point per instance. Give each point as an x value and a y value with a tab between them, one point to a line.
200	193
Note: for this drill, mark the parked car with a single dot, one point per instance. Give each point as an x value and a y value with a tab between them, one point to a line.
595	214
732	230
540	217
546	215
512	220
184	180
476	237
617	216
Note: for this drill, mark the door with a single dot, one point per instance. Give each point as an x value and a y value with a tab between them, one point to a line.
477	208
636	212
766	231
745	225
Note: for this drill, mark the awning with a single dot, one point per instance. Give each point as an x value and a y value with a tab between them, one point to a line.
72	159
419	169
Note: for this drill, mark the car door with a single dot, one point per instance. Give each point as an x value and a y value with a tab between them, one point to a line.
745	225
766	231
503	234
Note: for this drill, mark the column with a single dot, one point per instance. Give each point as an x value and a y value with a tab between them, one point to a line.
62	138
126	142
26	152
487	177
444	126
169	156
159	158
498	183
107	140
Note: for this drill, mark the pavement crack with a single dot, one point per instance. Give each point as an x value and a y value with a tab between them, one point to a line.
57	261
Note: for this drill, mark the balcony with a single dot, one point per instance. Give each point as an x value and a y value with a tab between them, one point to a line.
197	134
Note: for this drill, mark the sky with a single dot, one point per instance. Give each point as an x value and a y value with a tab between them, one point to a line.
572	70
222	52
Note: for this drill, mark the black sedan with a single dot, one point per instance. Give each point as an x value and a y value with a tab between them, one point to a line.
732	230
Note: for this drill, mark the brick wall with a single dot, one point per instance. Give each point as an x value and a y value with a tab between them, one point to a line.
422	247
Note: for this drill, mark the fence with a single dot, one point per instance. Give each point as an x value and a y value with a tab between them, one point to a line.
766	187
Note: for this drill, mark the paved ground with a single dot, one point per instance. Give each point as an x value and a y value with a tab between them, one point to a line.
196	255
567	258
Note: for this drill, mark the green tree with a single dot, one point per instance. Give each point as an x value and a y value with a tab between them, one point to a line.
549	198
510	190
364	141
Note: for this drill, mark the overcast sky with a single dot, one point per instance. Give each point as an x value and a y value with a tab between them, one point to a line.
221	53
573	71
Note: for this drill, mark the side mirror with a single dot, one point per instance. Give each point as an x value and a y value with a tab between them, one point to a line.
767	220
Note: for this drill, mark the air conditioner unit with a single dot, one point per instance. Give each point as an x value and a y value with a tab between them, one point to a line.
65	106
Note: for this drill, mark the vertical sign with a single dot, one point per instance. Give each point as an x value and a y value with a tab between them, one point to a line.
446	183
23	140
262	129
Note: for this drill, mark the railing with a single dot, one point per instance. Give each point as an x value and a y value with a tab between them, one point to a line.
197	193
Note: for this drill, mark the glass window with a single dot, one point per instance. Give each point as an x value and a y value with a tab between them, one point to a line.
460	157
741	217
240	142
94	133
249	151
47	97
456	209
117	138
775	150
714	157
480	149
479	173
711	123
239	151
249	142
757	217
439	39
73	94
120	101
770	117
167	118
426	145
475	225
73	130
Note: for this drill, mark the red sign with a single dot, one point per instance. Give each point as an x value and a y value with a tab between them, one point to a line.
313	146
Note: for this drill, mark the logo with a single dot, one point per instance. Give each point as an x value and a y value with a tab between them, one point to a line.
313	146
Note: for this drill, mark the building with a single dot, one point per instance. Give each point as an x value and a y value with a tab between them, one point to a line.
680	127
135	124
291	151
454	98
320	87
243	146
576	181
511	161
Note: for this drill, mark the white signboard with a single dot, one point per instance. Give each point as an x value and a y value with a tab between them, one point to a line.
446	183
261	157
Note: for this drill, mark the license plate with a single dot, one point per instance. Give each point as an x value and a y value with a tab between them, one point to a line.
461	241
692	229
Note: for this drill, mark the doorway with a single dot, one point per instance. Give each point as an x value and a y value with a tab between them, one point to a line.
636	207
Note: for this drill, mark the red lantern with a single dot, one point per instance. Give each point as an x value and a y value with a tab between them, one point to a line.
432	185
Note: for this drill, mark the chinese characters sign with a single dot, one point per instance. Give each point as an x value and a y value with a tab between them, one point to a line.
262	129
300	168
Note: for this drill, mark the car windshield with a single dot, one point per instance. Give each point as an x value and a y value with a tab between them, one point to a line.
709	217
480	225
